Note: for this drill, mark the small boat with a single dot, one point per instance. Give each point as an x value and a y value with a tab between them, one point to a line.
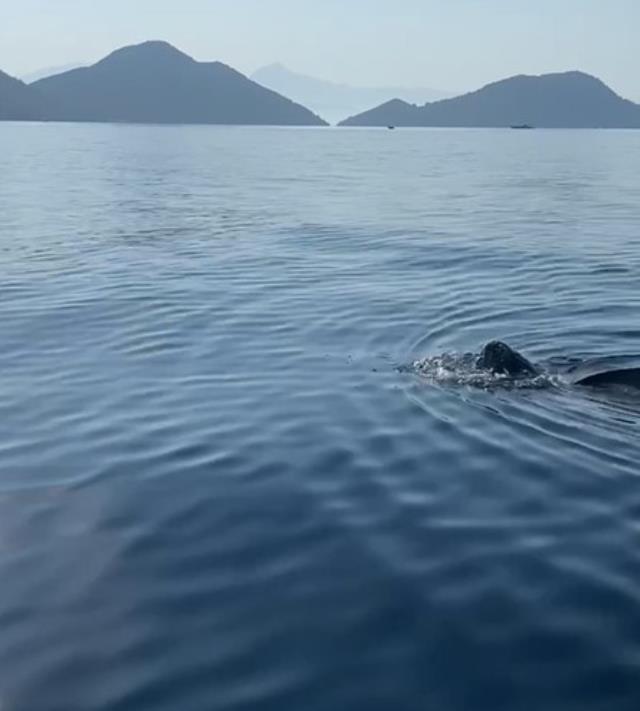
522	126
391	128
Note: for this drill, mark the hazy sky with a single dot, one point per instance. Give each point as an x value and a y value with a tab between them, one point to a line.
447	44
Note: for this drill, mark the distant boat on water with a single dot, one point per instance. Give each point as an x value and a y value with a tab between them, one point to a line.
522	126
391	128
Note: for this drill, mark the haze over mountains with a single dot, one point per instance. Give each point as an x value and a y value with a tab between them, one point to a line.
566	100
156	83
49	72
335	101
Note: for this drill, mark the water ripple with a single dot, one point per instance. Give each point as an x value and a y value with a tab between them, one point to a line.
219	486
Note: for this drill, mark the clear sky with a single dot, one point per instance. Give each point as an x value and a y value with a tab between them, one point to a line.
446	44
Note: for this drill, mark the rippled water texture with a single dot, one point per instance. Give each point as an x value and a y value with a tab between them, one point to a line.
220	485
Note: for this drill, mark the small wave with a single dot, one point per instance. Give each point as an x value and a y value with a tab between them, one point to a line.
460	369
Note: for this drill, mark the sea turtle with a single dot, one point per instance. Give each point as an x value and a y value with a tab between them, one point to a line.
499	358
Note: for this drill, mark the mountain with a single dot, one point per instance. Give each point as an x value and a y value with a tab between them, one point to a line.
335	101
567	100
156	83
18	102
48	72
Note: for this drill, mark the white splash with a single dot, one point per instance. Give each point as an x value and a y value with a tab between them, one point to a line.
461	369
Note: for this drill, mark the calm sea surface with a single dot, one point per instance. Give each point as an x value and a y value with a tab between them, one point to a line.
221	488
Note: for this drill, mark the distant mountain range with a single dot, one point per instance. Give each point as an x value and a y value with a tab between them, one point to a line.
49	72
567	100
334	101
152	83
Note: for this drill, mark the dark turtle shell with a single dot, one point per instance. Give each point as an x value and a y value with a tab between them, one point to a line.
498	357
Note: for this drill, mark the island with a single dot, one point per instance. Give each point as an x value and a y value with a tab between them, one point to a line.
154	82
565	100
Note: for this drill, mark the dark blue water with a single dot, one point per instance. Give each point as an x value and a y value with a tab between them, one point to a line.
220	486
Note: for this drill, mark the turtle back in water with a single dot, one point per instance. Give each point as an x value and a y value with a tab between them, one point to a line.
602	372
